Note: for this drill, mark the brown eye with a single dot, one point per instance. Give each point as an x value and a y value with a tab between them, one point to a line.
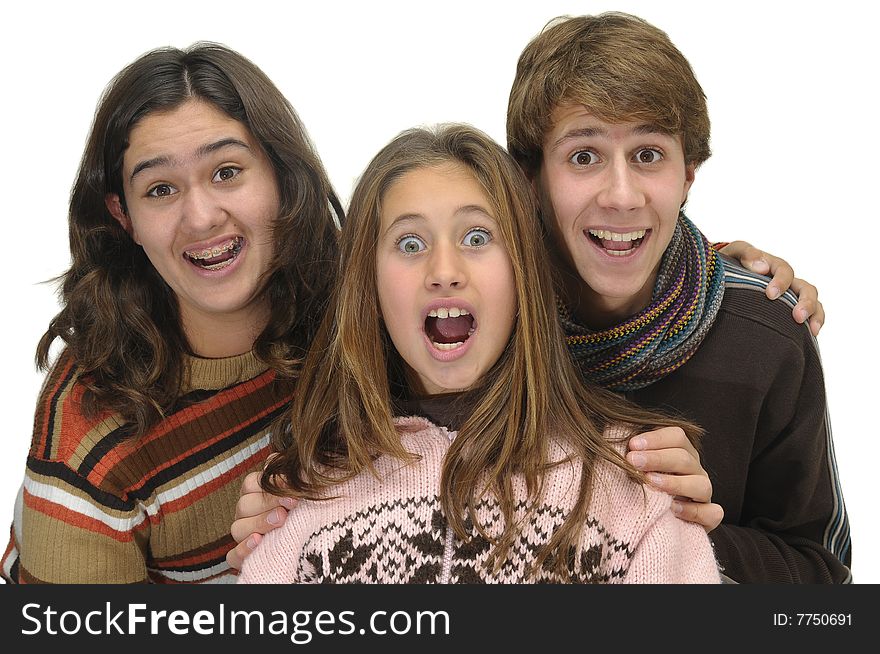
226	173
648	156
584	158
160	191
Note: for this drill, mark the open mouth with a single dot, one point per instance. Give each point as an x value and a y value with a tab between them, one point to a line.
617	244
218	257
449	327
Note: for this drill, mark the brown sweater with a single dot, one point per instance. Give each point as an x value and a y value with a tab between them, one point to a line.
756	385
97	508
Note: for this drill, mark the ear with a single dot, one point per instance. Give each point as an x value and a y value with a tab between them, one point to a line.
114	206
690	173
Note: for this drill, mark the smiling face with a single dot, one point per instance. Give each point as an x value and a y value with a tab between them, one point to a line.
611	195
201	199
445	280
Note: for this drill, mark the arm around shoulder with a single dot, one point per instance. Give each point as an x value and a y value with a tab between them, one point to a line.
793	526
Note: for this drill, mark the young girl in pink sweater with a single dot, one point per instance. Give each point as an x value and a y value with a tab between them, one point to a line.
440	433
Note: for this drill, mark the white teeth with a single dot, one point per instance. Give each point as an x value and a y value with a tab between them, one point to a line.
618	253
447	346
607	235
448	312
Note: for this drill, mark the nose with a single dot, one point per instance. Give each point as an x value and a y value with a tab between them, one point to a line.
622	188
446	268
201	211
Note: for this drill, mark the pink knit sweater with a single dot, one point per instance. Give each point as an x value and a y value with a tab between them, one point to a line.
390	529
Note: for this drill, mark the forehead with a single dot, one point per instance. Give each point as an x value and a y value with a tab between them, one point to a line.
571	121
177	134
432	191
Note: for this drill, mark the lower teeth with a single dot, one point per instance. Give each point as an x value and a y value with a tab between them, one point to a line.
218	266
447	346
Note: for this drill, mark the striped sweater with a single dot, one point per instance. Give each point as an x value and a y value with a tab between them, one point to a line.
389	528
98	508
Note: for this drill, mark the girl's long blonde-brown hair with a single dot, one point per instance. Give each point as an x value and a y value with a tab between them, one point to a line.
342	415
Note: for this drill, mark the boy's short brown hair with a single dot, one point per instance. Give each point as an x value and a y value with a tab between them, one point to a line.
622	68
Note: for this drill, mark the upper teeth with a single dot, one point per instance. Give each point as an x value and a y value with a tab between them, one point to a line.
447	312
605	235
208	253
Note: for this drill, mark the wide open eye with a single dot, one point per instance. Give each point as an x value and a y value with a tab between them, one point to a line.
584	158
648	156
411	244
477	237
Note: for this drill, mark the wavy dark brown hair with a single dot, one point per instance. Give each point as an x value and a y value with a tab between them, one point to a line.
120	320
342	415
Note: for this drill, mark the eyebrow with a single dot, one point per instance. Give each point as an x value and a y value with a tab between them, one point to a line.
592	132
201	152
414	217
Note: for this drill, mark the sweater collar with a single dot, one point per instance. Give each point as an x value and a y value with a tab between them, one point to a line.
448	410
214	374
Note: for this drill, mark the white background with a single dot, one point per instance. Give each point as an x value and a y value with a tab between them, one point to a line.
792	99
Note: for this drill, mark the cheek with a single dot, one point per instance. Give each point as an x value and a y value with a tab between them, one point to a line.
391	287
149	239
504	290
564	214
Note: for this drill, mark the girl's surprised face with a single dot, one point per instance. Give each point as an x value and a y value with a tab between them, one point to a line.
445	280
202	199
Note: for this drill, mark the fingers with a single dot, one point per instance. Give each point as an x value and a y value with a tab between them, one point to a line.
808	308
236	556
673	466
764	263
815	323
250	485
667	438
782	276
696	488
751	257
707	515
261	523
662	439
253	500
257	512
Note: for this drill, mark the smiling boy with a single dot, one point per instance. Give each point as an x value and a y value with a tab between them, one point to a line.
610	124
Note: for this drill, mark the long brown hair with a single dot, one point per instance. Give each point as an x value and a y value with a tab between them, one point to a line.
342	415
120	320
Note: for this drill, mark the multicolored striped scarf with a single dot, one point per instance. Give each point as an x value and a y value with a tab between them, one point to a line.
659	339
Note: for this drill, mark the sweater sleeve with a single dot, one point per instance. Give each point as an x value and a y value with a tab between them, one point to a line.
69	526
68	531
794	527
672	551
